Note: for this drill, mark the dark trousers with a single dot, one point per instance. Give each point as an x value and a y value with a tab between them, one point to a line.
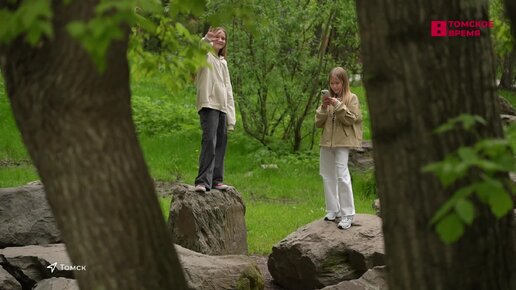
213	147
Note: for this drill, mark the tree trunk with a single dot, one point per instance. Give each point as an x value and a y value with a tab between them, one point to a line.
415	83
77	127
507	79
510	8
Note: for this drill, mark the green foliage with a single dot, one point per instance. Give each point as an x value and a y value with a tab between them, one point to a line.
155	115
465	120
279	67
106	26
489	159
224	12
195	7
11	145
164	204
501	32
180	54
509	96
32	18
450	228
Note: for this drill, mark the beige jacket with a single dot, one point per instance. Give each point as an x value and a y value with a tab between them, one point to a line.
214	88
342	125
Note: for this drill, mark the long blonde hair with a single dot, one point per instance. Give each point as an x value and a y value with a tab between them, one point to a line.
345	94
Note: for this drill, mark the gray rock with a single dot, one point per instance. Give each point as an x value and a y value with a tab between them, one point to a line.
508	119
31	262
205	272
362	158
202	271
7	281
57	284
373	279
212	223
25	217
376	206
319	254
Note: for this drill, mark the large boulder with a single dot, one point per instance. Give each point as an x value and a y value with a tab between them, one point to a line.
7	281
362	157
319	254
57	284
30	264
373	279
202	271
211	223
205	272
25	217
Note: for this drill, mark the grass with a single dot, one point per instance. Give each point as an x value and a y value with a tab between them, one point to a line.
278	201
509	96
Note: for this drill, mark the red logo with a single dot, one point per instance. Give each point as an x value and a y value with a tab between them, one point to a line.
439	28
459	28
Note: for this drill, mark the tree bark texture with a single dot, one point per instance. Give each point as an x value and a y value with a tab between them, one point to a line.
510	8
507	79
415	83
76	124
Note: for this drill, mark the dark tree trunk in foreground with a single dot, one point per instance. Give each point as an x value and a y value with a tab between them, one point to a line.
77	127
415	83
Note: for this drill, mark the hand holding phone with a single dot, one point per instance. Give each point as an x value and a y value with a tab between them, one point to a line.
325	97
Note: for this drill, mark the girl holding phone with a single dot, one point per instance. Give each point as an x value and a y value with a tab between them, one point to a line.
340	118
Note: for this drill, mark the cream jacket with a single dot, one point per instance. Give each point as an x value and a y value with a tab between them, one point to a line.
342	124
214	88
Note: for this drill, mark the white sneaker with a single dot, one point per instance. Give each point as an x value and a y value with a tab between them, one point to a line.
331	216
345	222
220	186
200	188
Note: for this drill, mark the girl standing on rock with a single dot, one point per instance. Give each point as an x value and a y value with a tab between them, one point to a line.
216	111
339	116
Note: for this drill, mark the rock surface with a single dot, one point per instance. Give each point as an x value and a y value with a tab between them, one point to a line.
7	281
373	279
319	254
30	265
25	217
212	223
220	272
57	284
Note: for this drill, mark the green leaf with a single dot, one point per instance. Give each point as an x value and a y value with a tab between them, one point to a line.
448	126
450	228
465	210
500	202
76	28
467	153
462	193
492	192
442	211
150	6
145	23
466	120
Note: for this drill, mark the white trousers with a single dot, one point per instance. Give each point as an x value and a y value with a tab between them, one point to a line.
337	180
